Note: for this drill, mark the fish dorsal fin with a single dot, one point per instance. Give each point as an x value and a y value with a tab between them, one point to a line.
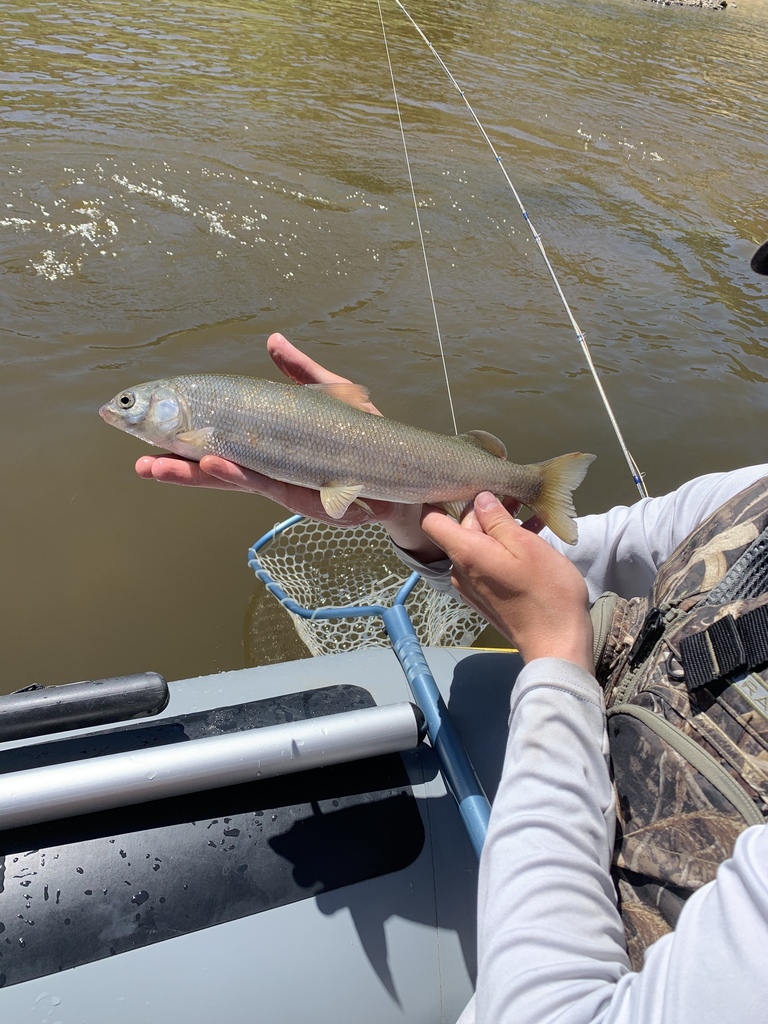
345	391
488	442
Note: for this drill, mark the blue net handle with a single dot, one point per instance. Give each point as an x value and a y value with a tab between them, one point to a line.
456	768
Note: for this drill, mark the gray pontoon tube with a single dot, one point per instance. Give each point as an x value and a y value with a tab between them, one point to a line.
117	780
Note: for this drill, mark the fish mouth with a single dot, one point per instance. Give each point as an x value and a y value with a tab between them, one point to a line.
108	414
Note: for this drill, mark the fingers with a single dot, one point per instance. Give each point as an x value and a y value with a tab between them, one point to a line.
492	517
169	469
487	535
233	475
211	471
296	365
301	369
443	531
469	522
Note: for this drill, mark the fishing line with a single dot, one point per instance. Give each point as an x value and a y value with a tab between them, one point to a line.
418	221
637	476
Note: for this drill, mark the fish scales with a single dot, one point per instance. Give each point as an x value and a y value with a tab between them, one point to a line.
305	435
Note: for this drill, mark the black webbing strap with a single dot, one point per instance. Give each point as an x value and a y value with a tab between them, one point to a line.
727	646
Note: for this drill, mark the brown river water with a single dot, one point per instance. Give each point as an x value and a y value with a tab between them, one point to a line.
179	180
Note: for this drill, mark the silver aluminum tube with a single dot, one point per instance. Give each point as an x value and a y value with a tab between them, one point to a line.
116	780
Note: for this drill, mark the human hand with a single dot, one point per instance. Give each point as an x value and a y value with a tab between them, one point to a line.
529	591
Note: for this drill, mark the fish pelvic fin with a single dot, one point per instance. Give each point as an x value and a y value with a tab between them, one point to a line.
554	504
337	498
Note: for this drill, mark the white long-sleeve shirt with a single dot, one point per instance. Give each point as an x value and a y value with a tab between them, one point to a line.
550	939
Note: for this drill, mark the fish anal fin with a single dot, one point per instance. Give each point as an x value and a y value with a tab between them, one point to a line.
195	441
455	509
554	503
345	391
488	442
337	498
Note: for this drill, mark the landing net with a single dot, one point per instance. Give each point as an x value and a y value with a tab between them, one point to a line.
320	566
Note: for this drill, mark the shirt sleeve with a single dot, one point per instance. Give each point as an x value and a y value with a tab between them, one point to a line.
549	934
550	939
622	549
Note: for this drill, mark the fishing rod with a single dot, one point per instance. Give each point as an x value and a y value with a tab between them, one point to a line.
637	476
418	221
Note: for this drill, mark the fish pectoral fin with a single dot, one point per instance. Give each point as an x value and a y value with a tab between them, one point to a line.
345	391
196	439
488	442
456	509
337	498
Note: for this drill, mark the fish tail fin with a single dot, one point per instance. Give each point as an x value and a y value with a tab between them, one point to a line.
554	504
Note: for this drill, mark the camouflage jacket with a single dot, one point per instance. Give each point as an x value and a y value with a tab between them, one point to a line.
685	677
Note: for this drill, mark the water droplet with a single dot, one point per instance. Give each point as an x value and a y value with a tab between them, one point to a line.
140	897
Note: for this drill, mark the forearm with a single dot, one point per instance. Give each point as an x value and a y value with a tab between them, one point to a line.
551	943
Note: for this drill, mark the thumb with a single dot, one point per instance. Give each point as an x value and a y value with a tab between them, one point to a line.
491	515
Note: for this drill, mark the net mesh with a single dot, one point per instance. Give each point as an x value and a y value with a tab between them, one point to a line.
321	566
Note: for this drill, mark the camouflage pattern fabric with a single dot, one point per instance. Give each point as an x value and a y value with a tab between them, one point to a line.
690	765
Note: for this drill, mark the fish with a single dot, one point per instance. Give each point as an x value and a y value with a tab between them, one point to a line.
320	436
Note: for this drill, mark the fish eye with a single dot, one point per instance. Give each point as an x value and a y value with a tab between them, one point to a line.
126	400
